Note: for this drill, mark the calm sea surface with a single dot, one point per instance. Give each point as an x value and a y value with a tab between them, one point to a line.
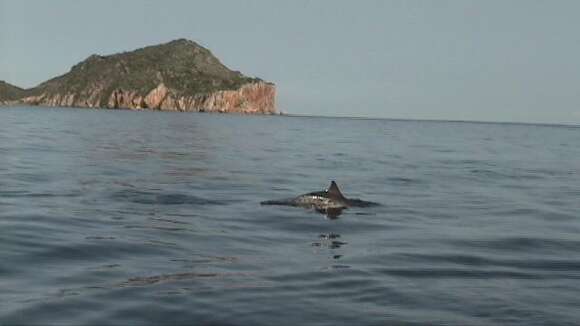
150	218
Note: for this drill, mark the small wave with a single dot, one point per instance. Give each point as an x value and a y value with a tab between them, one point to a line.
149	280
402	181
206	259
468	163
488	173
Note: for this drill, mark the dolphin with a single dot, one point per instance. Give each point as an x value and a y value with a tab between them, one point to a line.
330	201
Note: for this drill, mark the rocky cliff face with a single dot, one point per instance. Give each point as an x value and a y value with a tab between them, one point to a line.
251	98
176	76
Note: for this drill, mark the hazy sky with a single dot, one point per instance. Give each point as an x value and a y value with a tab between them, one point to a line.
504	60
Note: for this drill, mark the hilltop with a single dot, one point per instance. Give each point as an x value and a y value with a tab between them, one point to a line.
180	75
10	92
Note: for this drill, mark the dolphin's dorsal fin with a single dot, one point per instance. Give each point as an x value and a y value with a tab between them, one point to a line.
334	192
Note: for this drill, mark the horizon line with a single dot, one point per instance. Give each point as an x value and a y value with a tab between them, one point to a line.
548	124
300	115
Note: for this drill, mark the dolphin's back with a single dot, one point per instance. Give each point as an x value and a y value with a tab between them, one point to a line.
318	200
324	200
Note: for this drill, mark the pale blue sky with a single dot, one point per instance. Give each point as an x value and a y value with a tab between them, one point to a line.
492	60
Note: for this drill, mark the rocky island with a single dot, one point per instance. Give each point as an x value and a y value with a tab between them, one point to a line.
177	76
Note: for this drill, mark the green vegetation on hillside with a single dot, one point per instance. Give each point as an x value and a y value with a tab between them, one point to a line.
10	92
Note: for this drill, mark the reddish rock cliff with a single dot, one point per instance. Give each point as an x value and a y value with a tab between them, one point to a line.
252	98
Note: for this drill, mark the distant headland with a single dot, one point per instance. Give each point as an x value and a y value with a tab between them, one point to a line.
177	76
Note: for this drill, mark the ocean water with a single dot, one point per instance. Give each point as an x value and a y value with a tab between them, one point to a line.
152	218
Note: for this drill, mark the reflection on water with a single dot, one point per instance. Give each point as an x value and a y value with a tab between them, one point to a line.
151	218
329	241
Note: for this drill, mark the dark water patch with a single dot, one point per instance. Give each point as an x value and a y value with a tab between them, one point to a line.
156	227
521	244
383	295
437	273
403	181
33	177
53	195
99	237
515	212
549	173
364	213
151	280
339	267
88	251
315	278
345	286
168	220
488	173
15	193
160	243
538	210
34	195
556	265
106	267
204	259
154	198
467	163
